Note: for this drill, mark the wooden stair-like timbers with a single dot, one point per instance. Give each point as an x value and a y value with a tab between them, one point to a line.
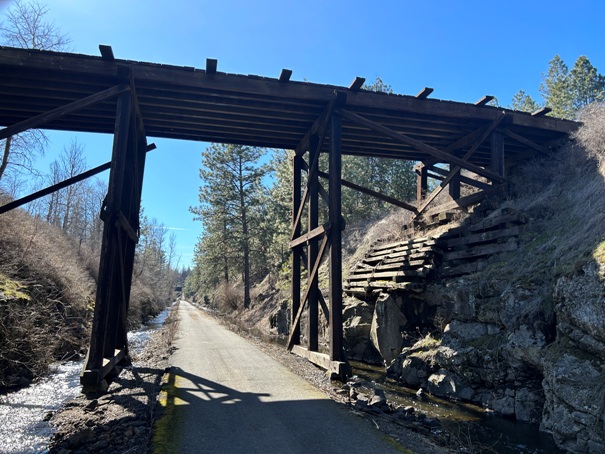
375	287
466	247
413	254
482	237
397	276
480	251
392	264
410	244
507	216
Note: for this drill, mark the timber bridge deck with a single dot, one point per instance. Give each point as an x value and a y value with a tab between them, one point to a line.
135	100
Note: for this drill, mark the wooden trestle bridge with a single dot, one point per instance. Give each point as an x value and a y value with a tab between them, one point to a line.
135	100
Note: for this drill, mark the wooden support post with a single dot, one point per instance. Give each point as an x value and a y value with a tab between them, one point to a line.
497	164
422	184
121	220
334	190
296	252
454	184
313	222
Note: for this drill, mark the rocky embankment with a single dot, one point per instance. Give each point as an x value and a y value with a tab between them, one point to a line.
529	349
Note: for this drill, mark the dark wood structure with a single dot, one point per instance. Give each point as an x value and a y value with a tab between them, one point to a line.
134	100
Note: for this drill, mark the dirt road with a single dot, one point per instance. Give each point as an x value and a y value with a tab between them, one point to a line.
226	396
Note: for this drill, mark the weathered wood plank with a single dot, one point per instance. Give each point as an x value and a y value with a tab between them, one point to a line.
483	237
316	232
393	275
404	244
480	251
458	270
339	369
40	120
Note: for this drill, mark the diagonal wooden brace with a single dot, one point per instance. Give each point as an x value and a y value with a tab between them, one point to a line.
456	170
312	274
421	146
46	117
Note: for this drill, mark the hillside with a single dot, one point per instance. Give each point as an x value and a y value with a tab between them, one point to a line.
47	291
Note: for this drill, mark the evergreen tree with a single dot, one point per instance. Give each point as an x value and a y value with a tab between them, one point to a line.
555	88
586	85
565	92
523	102
229	210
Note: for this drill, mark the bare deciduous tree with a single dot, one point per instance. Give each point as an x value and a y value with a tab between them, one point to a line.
26	25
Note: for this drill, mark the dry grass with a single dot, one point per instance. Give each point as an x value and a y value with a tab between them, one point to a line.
359	239
227	297
44	319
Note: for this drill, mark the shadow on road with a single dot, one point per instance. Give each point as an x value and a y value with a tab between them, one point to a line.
205	416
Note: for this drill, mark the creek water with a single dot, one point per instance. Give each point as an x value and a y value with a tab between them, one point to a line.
24	414
474	428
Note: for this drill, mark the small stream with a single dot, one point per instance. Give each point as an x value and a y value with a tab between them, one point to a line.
467	422
24	414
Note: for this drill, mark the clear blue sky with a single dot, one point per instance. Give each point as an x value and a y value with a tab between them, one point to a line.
463	49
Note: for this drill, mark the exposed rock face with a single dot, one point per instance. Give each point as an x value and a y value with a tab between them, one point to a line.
534	351
574	365
388	323
484	355
357	316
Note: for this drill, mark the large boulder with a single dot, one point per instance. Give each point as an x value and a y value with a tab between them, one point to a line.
357	321
445	383
388	323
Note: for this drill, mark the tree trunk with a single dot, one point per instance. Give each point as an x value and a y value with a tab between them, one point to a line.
7	150
246	240
225	257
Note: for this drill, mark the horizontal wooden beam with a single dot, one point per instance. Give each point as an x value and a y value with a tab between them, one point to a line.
40	120
402	138
334	368
424	93
86	67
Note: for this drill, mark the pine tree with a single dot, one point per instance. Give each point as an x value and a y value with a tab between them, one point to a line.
524	103
555	89
229	208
